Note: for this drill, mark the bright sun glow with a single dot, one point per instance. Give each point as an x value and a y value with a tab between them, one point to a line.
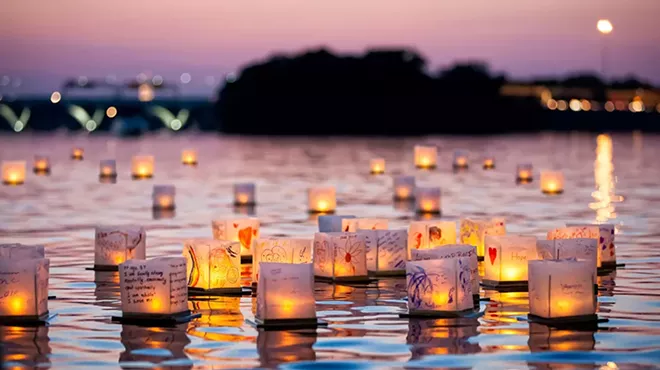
604	26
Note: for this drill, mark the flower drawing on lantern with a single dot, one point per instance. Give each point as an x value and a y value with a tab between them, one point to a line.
350	254
274	254
222	270
421	284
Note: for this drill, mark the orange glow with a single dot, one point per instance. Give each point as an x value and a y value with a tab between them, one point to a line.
119	259
13	172
165	200
145	93
189	157
41	164
428	205
77	153
609	106
322	205
552	104
287	305
524	174
16	306
402	192
111	112
242	198
156	305
55	97
425	161
377	165
585	105
604	26
107	171
489	163
512	274
461	161
440	298
562	105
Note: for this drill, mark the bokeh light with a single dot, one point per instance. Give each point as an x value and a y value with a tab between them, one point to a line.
604	26
111	112
55	97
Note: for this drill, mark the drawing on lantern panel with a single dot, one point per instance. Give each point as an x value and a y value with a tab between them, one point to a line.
222	271
321	249
470	232
110	243
435	235
245	236
350	255
424	288
276	253
464	276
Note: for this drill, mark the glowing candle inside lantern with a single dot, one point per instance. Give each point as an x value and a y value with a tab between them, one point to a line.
213	264
460	159
163	196
507	257
552	182
427	200
489	163
321	199
142	166
77	153
425	156
13	172
24	287
404	187
524	172
116	244
285	292
377	166
41	164
189	157
108	168
244	194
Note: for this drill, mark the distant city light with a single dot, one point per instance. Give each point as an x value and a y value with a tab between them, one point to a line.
585	105
82	81
55	97
90	125
157	80
19	126
231	77
111	112
574	105
141	78
552	104
145	93
185	78
562	105
604	26
609	106
636	106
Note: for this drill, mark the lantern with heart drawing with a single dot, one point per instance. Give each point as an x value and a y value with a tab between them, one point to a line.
474	231
506	260
242	230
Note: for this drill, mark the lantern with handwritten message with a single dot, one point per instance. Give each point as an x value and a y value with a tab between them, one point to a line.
578	248
489	162
21	251
331	223
189	157
606	248
561	290
340	256
377	166
354	224
77	154
474	231
142	166
116	244
321	199
460	160
107	168
552	182
13	172
427	200
404	187
426	156
524	173
41	164
280	250
506	260
244	194
450	252
386	251
439	287
23	289
242	230
213	265
163	197
430	234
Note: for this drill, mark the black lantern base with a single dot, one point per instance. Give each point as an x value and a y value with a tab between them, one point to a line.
569	321
430	213
220	292
141	177
246	259
489	167
433	167
607	267
190	164
387	274
556	192
27	320
156	319
440	314
320	213
505	286
41	172
287	324
102	268
522	180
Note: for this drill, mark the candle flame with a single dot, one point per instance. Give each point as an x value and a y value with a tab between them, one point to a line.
242	198
107	170
156	304
165	201
16	305
322	205
402	192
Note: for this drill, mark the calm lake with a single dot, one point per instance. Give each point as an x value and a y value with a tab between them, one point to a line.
365	331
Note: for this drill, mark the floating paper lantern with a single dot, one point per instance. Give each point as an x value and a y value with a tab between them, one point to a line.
41	164
340	256
552	182
561	290
116	244
377	166
439	287
20	251
450	252
489	163
142	166
244	194
213	265
163	197
242	230
23	289
404	187
77	154
189	157
108	168
280	250
578	248
524	173
427	200
603	234
13	172
386	251
331	223
430	234
285	295
460	160
153	288
473	232
506	260
354	224
426	156
321	199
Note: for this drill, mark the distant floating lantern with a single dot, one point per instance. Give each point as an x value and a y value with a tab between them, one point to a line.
24	290
386	251
430	234
116	244
321	199
460	160
242	230
427	200
189	157
41	165
77	154
561	291
578	248
163	197
213	266
473	232
331	223
244	194
603	234
340	257
285	296
142	166
439	287
524	173
280	250
108	168
377	166
354	224
552	182
489	163
506	260
426	156
404	187
13	172
20	251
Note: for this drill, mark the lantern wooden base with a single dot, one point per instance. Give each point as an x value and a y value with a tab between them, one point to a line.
158	213
13	183
346	280
41	172
386	274
505	286
607	267
522	181
458	168
315	212
141	177
287	324
429	213
377	172
159	208
246	205
234	292
77	157
103	268
480	258
556	192
440	314
568	321
27	320
433	167
156	319
476	299
489	167
108	179
191	164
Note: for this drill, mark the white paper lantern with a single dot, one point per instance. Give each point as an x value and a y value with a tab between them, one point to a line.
427	200
23	288
506	259
142	166
242	230
352	225
213	265
377	166
108	168
404	187
430	234
77	154
20	251
41	164
13	172
439	287
244	194
285	292
460	160
474	232
321	199
386	251
155	287
340	256
524	173
426	156
453	251
163	197
280	250
552	182
331	223
189	157
606	248
561	289
580	248
116	244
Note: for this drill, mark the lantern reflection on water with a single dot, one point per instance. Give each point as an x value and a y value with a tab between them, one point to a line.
544	338
26	347
283	346
213	265
154	345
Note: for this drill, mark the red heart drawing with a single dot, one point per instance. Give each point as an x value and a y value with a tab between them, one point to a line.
235	226
254	232
492	253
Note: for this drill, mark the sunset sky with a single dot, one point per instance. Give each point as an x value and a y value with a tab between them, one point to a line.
44	41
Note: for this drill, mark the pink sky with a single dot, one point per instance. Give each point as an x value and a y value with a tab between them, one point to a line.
44	41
